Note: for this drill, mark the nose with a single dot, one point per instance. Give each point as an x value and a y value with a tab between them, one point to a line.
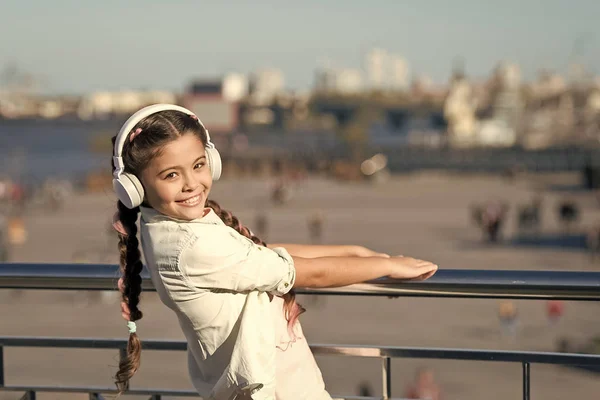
190	183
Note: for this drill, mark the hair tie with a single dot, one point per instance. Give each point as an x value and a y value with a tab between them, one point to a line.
134	134
132	327
118	225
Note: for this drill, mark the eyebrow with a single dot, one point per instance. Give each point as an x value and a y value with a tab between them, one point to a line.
177	167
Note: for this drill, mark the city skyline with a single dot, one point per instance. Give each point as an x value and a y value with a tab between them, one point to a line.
75	48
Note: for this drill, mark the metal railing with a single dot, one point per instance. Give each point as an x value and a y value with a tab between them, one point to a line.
559	285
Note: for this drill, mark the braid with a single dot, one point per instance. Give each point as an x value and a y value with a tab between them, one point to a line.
292	308
131	268
232	221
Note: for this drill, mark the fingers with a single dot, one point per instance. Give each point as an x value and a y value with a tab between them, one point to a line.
121	285
426	275
413	269
382	255
426	264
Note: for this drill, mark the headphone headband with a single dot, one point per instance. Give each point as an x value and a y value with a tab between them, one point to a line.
134	120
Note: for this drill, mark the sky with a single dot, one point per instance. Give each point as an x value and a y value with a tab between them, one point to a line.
74	47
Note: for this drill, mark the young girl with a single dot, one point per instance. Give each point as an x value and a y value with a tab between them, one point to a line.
231	293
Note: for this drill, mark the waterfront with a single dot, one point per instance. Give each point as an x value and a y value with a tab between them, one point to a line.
32	151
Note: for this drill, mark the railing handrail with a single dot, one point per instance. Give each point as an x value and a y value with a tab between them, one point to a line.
329	349
460	283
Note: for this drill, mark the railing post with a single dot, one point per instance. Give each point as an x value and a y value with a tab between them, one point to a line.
1	366
96	396
155	397
526	381
386	369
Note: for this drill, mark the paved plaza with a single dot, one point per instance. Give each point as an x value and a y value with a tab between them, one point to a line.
422	215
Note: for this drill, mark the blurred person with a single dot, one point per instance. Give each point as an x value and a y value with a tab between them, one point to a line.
507	313
282	193
424	387
17	198
530	216
493	218
17	233
231	292
4	190
490	218
4	249
554	311
315	226
593	241
365	390
262	225
55	193
568	213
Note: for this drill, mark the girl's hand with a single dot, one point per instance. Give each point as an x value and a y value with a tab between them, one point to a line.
360	251
408	268
125	313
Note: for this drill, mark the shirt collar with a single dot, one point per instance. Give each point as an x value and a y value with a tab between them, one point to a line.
150	215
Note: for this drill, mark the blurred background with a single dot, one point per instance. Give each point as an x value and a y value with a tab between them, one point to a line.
466	133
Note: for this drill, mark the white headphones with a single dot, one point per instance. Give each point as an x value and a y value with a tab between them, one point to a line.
127	186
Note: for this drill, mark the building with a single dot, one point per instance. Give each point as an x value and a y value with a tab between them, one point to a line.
265	85
343	81
386	71
216	101
105	104
230	87
376	63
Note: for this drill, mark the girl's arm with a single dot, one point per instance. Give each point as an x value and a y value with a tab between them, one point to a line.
323	272
313	251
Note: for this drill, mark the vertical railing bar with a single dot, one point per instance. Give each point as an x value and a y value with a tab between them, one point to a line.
122	354
386	375
1	366
155	397
526	381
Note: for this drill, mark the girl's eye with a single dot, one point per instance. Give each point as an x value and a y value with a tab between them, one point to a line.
199	165
170	175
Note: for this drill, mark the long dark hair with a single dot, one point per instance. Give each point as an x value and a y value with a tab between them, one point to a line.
158	130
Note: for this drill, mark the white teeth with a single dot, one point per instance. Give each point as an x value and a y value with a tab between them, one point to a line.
192	201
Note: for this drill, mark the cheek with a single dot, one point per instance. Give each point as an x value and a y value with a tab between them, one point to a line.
208	177
167	192
161	193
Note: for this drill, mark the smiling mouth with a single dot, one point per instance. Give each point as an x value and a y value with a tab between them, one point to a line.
192	201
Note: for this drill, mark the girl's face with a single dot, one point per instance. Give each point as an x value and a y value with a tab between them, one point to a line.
178	180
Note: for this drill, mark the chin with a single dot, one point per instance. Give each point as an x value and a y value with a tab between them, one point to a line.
190	213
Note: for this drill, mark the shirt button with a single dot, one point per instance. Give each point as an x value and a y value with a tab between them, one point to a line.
286	284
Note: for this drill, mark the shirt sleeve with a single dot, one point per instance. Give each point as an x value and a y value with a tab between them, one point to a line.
224	259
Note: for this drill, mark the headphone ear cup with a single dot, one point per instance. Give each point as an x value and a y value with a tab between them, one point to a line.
214	162
129	190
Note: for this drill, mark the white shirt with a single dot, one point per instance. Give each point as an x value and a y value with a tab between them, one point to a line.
218	283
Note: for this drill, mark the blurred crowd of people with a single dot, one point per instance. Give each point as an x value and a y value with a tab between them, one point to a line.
16	198
492	216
